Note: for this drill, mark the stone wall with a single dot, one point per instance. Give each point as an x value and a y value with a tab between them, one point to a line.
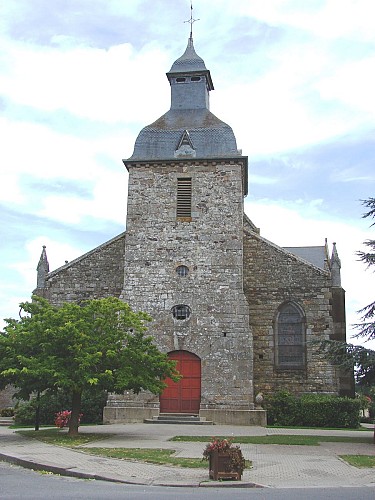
97	274
273	276
6	397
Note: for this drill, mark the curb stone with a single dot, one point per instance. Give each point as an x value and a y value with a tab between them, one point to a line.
28	464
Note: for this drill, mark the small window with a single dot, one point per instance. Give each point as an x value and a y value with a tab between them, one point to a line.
290	337
181	312
184	197
182	271
180	80
195	78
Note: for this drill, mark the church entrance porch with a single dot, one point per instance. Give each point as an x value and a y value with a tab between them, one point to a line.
183	396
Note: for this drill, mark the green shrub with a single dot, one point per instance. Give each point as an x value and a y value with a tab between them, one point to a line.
312	410
7	412
282	409
93	403
25	411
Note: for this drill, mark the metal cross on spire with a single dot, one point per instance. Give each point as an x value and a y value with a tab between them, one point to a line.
191	21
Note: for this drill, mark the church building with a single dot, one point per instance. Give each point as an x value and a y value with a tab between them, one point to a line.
237	312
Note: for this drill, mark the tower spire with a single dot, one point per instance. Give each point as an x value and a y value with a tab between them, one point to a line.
42	269
191	21
335	267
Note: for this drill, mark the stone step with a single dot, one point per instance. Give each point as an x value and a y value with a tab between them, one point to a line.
178	418
6	421
176	422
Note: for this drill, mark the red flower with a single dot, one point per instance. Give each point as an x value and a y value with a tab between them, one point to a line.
62	418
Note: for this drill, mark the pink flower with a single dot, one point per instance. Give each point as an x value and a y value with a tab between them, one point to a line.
62	418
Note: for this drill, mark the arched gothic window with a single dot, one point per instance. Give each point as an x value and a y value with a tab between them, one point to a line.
290	339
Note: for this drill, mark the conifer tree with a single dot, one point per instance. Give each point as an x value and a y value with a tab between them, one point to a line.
351	356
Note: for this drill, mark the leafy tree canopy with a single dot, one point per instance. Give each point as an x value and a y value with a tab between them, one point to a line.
98	343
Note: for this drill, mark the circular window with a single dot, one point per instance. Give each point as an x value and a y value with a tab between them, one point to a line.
182	270
181	311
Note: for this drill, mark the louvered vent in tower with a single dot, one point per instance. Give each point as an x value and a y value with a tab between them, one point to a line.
184	197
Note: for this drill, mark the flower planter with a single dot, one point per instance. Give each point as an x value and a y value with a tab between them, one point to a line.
220	466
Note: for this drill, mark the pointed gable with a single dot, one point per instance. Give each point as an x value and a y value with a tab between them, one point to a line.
185	148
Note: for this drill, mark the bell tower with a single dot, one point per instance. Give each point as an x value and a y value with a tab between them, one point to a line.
184	253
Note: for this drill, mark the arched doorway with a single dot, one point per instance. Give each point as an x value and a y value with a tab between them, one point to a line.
183	396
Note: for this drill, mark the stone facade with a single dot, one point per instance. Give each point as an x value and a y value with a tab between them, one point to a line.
272	277
239	312
96	274
210	245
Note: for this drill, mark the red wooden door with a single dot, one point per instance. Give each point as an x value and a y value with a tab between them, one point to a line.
183	396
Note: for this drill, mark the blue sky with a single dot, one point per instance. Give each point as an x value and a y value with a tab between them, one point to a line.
80	78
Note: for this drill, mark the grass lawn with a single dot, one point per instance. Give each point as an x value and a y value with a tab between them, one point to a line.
285	439
360	460
61	437
156	456
153	456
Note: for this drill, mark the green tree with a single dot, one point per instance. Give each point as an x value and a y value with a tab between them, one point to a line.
349	355
366	329
97	343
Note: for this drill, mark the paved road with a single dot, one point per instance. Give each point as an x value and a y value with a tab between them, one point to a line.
18	483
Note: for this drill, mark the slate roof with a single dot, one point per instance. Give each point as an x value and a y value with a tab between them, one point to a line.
210	137
189	61
316	255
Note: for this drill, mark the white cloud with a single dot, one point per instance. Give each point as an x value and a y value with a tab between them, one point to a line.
58	156
329	19
92	83
353	84
108	202
37	149
351	175
272	119
308	85
10	190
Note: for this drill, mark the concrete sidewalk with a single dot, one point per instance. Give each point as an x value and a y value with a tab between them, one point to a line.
274	466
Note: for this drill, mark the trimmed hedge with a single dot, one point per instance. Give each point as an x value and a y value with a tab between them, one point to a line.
312	410
50	403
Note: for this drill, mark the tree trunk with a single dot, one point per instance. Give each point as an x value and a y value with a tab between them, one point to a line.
37	412
74	417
